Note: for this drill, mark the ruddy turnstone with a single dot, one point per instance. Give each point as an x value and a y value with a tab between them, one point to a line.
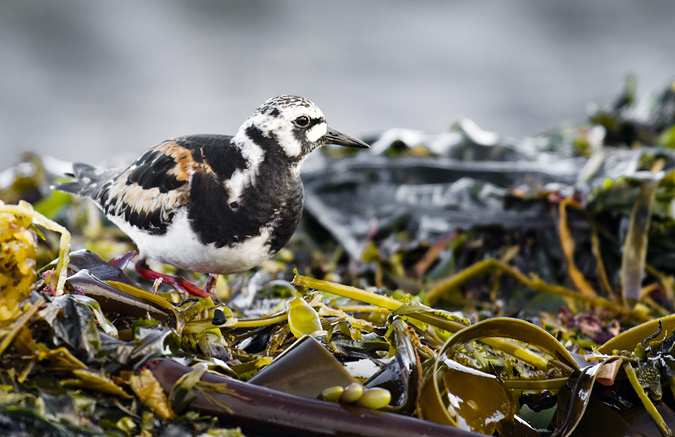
214	204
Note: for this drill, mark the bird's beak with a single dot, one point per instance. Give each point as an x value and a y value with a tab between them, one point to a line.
336	137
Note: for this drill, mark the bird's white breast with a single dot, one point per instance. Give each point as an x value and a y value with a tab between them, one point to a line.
181	247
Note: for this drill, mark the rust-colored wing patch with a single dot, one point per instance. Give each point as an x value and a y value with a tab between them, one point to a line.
149	192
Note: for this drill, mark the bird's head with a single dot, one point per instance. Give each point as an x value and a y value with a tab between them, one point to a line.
294	126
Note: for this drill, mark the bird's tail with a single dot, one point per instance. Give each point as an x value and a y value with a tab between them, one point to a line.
87	179
68	187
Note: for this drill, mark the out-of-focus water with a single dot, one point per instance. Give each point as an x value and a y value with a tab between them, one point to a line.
87	81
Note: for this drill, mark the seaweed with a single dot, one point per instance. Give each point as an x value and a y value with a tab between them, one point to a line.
453	284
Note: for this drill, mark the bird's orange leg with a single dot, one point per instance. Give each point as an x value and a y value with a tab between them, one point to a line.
210	286
179	284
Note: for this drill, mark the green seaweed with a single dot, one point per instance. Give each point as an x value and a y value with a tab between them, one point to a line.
450	286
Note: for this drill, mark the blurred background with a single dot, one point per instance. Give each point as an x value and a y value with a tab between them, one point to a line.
86	81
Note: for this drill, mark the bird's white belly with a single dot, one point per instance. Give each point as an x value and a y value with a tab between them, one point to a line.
180	247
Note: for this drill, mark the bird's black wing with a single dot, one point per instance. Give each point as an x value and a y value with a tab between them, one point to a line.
149	192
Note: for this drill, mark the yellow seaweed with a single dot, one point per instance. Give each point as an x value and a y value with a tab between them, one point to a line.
17	260
18	244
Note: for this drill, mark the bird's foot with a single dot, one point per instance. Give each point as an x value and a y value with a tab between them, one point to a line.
179	284
210	286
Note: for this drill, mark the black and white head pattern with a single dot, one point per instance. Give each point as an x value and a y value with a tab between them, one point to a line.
290	124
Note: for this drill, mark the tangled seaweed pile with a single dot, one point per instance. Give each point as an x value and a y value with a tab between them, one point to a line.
442	285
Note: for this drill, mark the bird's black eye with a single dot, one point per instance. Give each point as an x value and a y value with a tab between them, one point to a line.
302	121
